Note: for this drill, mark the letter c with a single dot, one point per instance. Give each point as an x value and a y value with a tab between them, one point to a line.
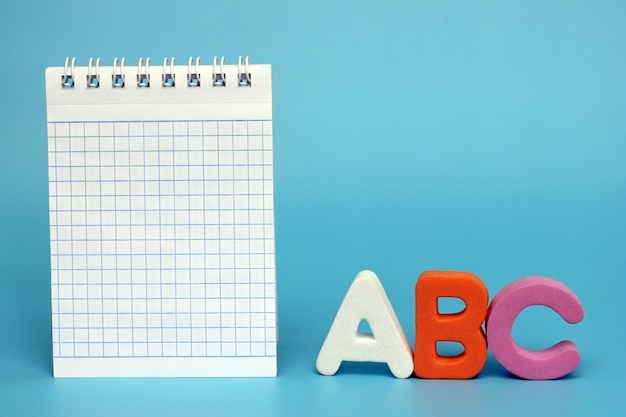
554	362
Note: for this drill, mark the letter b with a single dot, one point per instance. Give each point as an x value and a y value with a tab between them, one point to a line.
464	327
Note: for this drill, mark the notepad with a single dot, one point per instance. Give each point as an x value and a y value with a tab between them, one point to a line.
162	219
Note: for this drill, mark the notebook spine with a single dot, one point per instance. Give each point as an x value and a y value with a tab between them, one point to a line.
144	74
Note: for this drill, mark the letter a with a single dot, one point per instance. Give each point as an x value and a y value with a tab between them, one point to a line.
366	300
463	327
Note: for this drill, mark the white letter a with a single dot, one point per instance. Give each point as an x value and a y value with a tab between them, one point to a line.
366	300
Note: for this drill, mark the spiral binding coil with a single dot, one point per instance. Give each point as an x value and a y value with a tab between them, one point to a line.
143	76
118	79
168	79
245	78
93	74
143	73
219	78
67	79
193	77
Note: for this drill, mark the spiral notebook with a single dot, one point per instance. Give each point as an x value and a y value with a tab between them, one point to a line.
161	219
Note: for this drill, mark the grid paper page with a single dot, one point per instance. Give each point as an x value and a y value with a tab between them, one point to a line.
162	243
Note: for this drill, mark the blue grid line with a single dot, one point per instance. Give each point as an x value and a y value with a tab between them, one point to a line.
160	247
116	243
264	248
145	207
101	254
249	255
175	286
219	232
57	251
72	259
189	226
204	234
130	234
232	144
86	260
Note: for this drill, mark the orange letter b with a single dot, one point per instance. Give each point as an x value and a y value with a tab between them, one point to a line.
463	327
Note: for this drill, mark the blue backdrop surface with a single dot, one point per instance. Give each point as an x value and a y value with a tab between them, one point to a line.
483	136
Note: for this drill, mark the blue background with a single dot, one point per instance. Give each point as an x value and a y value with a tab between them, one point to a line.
484	136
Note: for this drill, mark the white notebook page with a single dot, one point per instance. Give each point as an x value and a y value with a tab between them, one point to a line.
162	225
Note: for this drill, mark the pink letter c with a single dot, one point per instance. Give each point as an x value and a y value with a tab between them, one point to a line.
554	362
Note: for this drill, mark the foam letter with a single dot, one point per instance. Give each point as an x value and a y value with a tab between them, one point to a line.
366	300
554	362
463	327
